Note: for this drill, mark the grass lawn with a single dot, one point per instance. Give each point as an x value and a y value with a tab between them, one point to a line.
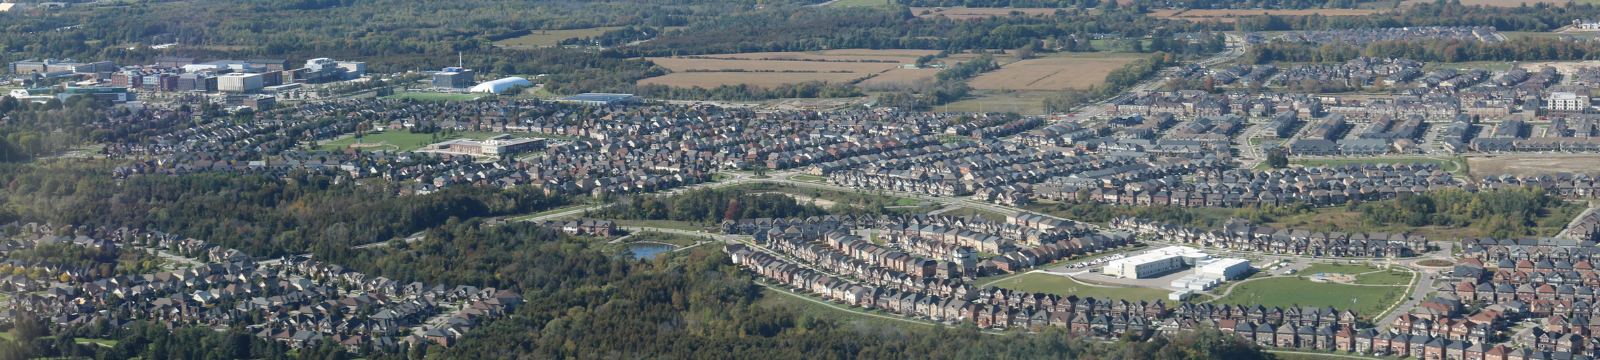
401	140
1385	278
1286	292
435	96
1340	268
807	178
666	238
97	341
1064	286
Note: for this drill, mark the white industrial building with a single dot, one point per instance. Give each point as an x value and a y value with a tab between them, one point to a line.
239	82
497	86
1230	269
1155	262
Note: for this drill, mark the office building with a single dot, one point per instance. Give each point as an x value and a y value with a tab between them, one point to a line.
239	82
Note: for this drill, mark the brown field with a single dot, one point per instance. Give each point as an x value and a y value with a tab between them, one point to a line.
1231	15
1500	3
871	52
902	75
1054	73
1484	166
710	80
970	13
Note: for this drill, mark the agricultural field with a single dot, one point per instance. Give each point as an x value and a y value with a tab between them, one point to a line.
1064	286
904	76
1287	292
1485	166
845	3
1056	72
1021	102
1233	15
768	69
971	13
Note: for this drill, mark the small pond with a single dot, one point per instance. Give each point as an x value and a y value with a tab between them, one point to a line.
649	250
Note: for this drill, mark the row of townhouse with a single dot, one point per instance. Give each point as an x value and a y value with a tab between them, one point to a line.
873	275
1556	250
1237	234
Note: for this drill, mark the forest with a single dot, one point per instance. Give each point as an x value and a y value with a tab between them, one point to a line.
1429	50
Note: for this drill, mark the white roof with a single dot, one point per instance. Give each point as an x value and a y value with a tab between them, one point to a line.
499	85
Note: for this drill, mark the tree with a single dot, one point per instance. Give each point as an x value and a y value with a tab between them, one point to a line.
1277	159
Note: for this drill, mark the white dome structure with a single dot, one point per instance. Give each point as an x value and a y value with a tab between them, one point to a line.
495	87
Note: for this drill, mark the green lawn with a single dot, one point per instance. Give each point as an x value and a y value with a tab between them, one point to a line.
1287	292
1340	268
435	96
807	178
98	341
1064	286
402	140
967	211
665	224
1385	278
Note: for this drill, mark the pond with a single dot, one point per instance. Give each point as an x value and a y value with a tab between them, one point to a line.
649	250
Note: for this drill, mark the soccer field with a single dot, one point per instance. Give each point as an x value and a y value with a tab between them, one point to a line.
1288	292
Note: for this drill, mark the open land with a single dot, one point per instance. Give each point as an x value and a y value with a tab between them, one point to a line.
553	37
1062	285
1233	15
971	13
1287	292
901	75
767	69
1021	102
1338	219
1052	73
1485	166
435	96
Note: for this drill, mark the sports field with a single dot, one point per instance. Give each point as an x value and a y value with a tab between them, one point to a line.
1053	73
1287	292
1062	285
401	140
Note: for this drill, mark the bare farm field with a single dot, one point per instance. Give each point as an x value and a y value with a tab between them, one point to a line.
1485	166
1052	73
902	76
776	68
972	13
1232	15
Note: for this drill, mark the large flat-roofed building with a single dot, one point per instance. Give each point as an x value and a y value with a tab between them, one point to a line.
1151	264
495	146
1144	266
599	99
239	82
1231	269
64	65
453	77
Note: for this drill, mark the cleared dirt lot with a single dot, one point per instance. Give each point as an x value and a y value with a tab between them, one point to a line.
1532	165
1232	15
1053	73
1564	67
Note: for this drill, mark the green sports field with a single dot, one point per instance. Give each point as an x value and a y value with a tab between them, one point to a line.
1064	286
401	140
1287	292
